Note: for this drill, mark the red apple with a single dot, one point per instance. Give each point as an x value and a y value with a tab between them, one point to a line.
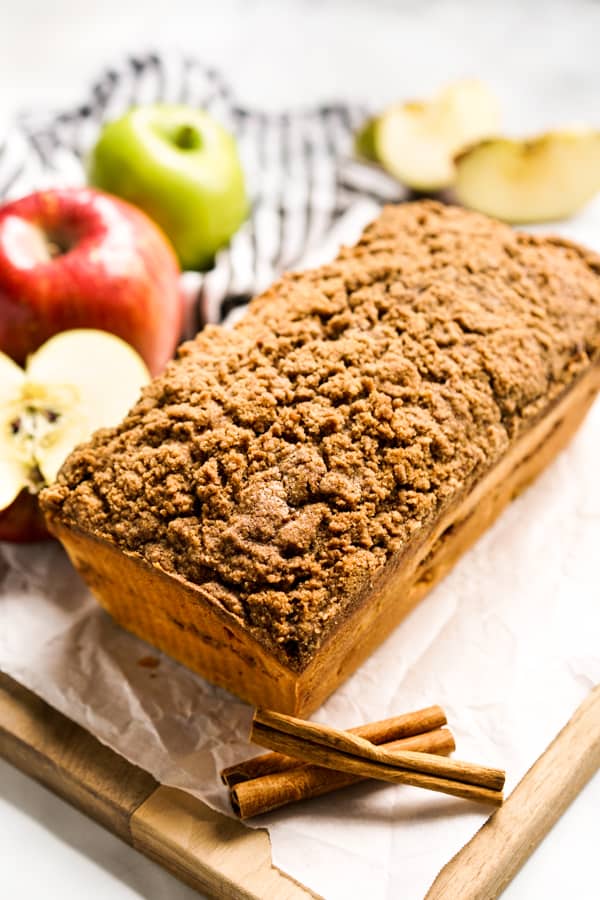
23	520
78	258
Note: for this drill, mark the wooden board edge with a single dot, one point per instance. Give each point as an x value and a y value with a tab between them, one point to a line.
211	852
65	758
206	850
484	867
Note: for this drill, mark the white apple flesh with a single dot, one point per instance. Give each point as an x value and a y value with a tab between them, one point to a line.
76	382
417	142
547	178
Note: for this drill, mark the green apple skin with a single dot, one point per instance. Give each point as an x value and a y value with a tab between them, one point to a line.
365	141
182	168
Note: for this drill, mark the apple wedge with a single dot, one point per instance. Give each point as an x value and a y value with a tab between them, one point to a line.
417	142
76	382
548	178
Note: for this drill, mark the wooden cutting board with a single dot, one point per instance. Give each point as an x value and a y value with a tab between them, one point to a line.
223	858
210	852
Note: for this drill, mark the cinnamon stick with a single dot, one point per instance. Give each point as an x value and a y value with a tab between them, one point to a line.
382	732
255	796
346	752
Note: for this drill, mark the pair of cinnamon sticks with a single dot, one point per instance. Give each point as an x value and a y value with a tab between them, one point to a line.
312	760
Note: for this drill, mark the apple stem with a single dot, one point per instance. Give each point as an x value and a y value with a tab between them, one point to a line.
187	138
55	248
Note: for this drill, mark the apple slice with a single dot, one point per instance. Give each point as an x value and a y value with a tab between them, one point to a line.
417	142
548	178
76	382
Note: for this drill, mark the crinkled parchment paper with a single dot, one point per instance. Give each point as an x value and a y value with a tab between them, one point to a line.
509	644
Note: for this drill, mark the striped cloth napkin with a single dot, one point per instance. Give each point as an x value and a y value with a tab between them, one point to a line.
308	193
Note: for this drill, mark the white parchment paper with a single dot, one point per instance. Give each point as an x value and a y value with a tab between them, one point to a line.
508	644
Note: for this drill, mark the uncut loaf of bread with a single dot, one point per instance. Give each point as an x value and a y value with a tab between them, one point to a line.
286	491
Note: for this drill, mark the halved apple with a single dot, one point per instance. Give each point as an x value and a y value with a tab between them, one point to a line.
417	142
76	382
548	178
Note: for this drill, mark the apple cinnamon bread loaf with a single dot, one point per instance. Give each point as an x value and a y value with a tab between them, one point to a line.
287	490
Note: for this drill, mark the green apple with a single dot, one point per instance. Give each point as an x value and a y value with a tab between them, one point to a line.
365	139
182	168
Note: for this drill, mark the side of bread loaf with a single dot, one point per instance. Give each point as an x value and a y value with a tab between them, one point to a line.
282	465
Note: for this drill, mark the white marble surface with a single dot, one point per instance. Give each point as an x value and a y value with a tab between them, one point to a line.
541	58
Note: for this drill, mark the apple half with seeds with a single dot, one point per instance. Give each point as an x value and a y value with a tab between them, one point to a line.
417	142
76	382
541	180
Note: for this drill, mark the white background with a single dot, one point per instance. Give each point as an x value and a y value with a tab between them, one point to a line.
543	61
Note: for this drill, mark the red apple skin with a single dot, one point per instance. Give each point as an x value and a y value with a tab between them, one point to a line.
116	272
23	520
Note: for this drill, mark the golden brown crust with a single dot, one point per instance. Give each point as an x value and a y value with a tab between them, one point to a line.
282	465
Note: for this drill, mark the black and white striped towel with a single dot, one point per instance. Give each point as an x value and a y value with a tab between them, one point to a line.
308	195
